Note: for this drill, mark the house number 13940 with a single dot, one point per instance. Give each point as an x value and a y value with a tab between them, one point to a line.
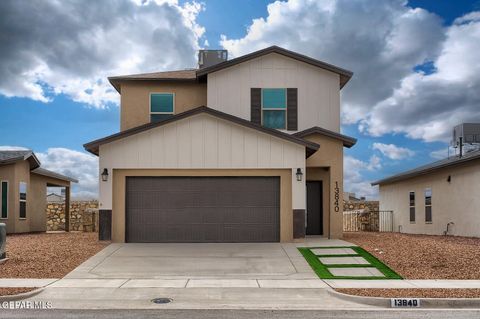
337	197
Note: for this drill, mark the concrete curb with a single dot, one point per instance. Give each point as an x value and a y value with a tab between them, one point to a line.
439	303
21	296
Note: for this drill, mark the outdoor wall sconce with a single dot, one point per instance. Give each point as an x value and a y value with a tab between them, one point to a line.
105	175
449	178
299	174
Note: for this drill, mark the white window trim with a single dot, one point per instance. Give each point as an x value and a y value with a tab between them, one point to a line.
22	200
150	103
414	206
431	206
1	182
271	109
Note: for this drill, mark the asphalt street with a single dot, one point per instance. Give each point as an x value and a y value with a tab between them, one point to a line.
242	314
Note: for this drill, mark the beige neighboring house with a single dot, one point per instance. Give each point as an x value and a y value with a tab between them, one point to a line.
240	150
436	199
23	190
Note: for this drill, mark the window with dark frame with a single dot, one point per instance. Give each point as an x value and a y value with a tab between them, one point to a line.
4	200
412	206
428	205
274	108
161	106
23	200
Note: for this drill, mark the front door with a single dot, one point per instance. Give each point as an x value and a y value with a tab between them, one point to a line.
314	208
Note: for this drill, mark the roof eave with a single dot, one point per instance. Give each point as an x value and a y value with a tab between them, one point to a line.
93	146
345	75
346	140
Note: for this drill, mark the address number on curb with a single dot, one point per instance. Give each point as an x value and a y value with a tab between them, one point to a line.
405	302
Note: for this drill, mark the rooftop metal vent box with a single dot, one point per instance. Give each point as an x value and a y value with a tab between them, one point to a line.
469	132
208	58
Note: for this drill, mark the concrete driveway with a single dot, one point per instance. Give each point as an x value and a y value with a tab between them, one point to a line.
191	261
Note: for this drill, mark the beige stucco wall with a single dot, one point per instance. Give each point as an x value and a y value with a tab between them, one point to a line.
135	99
119	176
37	200
327	165
36	197
202	142
456	201
318	89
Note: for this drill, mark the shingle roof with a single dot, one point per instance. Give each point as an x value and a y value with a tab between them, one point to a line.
200	74
9	157
180	75
93	146
425	169
46	172
347	140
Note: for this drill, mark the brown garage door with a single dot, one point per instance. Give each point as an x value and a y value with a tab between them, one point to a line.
202	209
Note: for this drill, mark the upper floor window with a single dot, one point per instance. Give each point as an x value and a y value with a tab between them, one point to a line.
162	106
274	108
23	200
428	205
412	207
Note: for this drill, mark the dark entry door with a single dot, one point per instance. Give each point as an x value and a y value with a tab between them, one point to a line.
314	208
202	209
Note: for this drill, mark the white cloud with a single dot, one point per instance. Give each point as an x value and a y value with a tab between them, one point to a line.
353	180
380	41
392	151
70	48
79	165
428	106
12	148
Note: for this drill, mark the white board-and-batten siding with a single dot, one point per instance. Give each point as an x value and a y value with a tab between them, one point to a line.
202	142
318	89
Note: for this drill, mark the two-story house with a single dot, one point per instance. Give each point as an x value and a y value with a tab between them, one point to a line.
240	150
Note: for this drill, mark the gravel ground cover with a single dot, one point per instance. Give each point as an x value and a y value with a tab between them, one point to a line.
48	255
423	256
14	291
413	293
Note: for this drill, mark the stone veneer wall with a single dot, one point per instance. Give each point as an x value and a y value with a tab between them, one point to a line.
83	216
366	205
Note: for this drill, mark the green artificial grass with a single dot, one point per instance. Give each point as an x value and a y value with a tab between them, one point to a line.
322	270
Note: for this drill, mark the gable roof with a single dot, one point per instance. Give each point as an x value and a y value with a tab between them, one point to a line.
10	157
425	169
180	75
346	140
93	147
345	75
46	172
193	75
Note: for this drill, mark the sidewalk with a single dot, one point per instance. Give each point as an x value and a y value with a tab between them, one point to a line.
238	283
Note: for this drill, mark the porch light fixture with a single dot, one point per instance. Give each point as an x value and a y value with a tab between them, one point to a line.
299	174
105	175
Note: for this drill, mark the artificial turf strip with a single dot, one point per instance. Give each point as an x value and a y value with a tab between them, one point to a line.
322	270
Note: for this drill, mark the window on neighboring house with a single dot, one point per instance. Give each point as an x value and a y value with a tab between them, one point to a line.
428	205
23	200
412	207
274	108
161	106
4	199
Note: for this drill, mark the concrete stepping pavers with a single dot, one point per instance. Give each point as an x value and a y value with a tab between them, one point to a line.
333	251
356	272
343	261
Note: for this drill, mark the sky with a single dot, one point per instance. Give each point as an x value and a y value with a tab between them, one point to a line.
415	63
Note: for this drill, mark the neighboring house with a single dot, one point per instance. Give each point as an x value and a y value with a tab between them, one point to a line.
437	197
23	189
55	198
244	150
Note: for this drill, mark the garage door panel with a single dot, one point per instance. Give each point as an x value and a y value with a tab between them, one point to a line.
202	209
